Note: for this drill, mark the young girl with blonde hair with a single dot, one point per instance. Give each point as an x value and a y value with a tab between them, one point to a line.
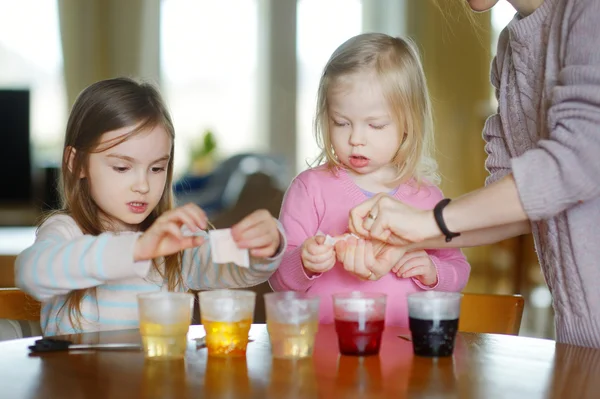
118	233
374	127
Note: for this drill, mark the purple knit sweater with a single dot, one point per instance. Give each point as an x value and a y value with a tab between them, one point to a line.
547	133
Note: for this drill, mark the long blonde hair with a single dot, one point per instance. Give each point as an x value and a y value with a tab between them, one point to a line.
397	65
103	107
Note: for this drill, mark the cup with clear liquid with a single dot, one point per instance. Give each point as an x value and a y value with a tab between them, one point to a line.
359	322
164	323
227	317
292	322
433	321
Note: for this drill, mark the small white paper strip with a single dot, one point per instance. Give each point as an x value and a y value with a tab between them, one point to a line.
329	240
224	249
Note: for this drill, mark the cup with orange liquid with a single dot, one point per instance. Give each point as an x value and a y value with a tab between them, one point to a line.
359	322
227	316
164	323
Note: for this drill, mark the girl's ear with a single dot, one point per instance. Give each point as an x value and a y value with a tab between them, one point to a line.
70	158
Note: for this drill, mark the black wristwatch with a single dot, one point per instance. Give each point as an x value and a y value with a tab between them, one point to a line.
439	219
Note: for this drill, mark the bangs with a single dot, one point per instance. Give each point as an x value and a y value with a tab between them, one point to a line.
137	128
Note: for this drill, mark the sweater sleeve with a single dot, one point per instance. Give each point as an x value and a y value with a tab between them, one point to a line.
564	169
498	157
202	273
300	221
62	259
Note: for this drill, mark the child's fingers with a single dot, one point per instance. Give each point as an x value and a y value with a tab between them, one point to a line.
255	218
197	215
197	241
411	255
319	264
315	249
256	230
322	258
415	271
320	240
410	258
258	241
173	230
264	252
410	264
180	217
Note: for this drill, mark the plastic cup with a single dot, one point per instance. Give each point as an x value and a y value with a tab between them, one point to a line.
292	322
433	320
227	316
359	322
164	323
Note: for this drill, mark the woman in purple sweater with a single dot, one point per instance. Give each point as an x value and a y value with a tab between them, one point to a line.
543	150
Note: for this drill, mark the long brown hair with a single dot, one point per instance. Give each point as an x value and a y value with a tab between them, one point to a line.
103	107
397	65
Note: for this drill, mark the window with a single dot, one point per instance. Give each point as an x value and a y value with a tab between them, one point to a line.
322	26
31	58
209	73
502	14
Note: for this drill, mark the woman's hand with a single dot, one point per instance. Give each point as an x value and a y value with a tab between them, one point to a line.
389	220
164	236
258	232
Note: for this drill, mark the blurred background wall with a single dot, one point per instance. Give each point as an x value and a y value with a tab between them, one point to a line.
240	78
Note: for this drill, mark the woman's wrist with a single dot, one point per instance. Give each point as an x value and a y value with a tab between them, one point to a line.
430	226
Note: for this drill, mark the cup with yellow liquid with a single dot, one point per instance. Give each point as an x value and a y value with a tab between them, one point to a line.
164	323
292	322
227	316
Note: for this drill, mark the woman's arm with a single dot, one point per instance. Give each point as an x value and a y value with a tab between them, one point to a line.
475	238
387	219
495	205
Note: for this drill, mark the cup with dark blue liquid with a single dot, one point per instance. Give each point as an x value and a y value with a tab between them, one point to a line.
433	320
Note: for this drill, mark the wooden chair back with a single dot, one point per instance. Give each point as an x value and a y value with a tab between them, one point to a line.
488	313
17	305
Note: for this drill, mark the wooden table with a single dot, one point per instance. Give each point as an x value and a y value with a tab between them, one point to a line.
483	366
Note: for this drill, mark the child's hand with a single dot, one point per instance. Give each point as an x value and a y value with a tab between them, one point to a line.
367	259
317	257
165	237
258	232
419	265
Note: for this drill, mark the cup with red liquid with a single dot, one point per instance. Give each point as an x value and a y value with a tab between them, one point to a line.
433	320
359	322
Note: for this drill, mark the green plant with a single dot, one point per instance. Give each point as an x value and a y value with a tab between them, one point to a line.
204	147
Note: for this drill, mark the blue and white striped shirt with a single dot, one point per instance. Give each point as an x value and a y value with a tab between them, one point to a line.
63	259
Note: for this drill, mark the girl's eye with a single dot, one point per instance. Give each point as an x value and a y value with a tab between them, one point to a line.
158	169
378	127
336	123
120	169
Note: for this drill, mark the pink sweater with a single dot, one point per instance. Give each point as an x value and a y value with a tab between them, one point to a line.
319	200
